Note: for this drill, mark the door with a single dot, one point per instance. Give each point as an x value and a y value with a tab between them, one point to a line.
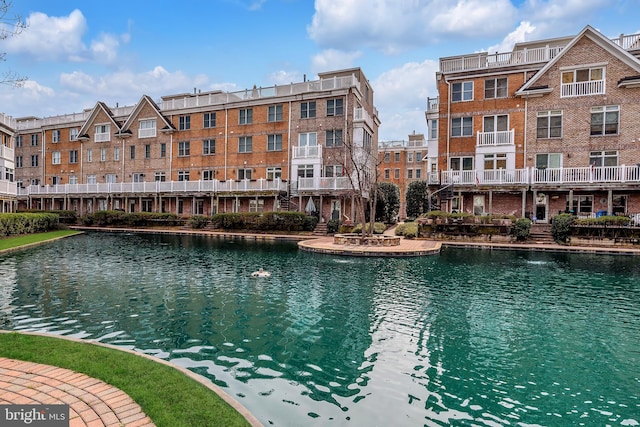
335	209
478	205
541	208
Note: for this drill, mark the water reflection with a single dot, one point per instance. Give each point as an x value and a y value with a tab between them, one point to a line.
467	337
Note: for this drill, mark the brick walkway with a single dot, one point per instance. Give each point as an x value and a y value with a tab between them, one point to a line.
92	402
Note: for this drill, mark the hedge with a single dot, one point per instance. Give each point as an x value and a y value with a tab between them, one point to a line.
133	219
267	221
27	223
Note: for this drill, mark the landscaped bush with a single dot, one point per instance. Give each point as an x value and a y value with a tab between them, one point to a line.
268	221
408	230
378	228
27	223
64	217
521	229
561	227
134	219
604	220
198	222
332	226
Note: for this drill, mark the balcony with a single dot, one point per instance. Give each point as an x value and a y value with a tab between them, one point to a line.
8	188
307	152
157	187
7	153
102	137
361	115
495	138
531	176
593	87
433	105
324	184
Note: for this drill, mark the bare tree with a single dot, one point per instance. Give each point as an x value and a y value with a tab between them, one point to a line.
10	26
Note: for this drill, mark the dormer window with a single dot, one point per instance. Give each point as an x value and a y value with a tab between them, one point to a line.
583	82
147	128
103	133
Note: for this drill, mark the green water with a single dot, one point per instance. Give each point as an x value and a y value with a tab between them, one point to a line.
467	337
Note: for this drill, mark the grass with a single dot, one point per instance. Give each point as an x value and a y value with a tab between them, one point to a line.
28	239
169	397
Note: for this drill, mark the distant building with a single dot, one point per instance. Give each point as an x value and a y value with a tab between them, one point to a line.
8	188
260	149
552	126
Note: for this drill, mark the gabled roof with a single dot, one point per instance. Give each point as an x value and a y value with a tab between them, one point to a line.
595	36
100	106
145	100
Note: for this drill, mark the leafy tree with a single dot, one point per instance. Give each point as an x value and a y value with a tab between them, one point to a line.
388	202
417	199
10	26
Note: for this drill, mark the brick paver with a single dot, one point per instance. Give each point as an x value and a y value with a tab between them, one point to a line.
92	402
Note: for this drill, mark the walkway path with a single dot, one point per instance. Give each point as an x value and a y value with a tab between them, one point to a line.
92	402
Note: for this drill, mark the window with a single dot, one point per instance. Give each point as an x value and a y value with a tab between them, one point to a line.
184	148
19	161
102	133
308	110
418	173
55	135
433	129
418	156
495	161
334	138
207	175
462	126
116	153
209	146
462	91
246	116
34	140
35	181
73	134
256	205
274	173
387	174
582	205
461	163
183	175
410	173
209	120
275	113
603	158
73	179
147	151
244	173
548	160
147	128
91	179
89	156
396	173
138	177
409	157
335	107
274	142
495	123
55	158
307	139
160	177
19	141
549	124
582	81
184	122
605	120
245	144
387	157
495	88
73	156
163	150
305	171
103	154
132	152
110	178
331	171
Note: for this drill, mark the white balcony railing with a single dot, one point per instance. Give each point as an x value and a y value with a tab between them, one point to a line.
229	186
531	176
7	153
361	115
495	138
8	188
324	183
593	87
102	137
147	133
307	152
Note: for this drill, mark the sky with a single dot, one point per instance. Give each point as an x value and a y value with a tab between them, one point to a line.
75	53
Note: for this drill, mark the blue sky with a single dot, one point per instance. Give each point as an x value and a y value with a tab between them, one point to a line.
76	53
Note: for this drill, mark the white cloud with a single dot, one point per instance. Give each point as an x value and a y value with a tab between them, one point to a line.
518	35
23	99
559	17
284	77
105	49
404	91
332	59
392	26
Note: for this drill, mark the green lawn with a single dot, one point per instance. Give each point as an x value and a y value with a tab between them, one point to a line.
28	239
166	395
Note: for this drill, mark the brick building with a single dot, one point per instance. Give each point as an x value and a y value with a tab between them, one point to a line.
552	126
8	188
261	149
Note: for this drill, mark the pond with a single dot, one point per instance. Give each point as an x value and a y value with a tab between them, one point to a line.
467	337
